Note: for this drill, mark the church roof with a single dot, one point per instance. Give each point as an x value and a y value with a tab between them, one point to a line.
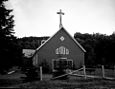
62	28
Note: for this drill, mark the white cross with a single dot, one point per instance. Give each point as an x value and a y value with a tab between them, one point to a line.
60	13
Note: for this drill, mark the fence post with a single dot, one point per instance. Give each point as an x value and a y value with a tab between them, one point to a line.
40	73
114	70
103	71
84	71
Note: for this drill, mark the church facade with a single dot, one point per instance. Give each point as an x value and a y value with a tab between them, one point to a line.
60	48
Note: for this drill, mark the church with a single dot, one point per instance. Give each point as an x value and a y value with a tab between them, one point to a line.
62	49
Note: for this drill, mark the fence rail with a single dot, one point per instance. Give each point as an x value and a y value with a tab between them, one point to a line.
87	72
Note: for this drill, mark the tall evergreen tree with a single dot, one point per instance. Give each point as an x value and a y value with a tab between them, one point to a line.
8	47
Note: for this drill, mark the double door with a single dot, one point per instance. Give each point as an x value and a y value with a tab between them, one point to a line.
62	63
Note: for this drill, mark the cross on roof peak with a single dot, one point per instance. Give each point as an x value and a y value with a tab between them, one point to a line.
60	14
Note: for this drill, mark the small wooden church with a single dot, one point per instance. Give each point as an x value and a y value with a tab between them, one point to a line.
60	50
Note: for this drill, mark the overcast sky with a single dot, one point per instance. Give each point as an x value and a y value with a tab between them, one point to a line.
39	18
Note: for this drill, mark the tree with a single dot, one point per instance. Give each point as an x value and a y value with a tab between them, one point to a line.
100	48
8	47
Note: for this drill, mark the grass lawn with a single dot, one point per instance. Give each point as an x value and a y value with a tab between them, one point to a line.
69	84
14	81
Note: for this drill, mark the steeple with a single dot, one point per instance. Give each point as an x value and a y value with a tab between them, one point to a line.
60	14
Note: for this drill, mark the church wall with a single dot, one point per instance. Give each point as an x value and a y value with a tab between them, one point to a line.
47	51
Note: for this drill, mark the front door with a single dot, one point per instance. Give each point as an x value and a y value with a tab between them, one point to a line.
62	63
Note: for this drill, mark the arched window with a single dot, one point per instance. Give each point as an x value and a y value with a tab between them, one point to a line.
62	50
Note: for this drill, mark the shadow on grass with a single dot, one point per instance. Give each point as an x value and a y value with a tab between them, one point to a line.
72	83
9	82
64	84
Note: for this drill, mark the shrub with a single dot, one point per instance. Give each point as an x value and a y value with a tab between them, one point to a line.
31	73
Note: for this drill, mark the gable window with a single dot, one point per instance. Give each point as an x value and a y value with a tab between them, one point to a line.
62	50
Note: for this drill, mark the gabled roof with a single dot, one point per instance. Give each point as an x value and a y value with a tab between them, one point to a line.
75	41
62	28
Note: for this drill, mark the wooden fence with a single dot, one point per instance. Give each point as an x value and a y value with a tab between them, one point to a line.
86	72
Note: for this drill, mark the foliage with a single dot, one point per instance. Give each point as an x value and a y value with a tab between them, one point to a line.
10	52
30	42
45	67
31	73
29	70
100	48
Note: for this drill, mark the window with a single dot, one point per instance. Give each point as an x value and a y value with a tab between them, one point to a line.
62	38
62	50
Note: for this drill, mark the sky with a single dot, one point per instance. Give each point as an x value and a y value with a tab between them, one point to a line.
40	18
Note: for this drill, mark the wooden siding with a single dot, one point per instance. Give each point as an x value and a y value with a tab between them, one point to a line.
47	51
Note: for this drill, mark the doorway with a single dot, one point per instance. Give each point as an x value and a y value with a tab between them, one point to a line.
62	63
